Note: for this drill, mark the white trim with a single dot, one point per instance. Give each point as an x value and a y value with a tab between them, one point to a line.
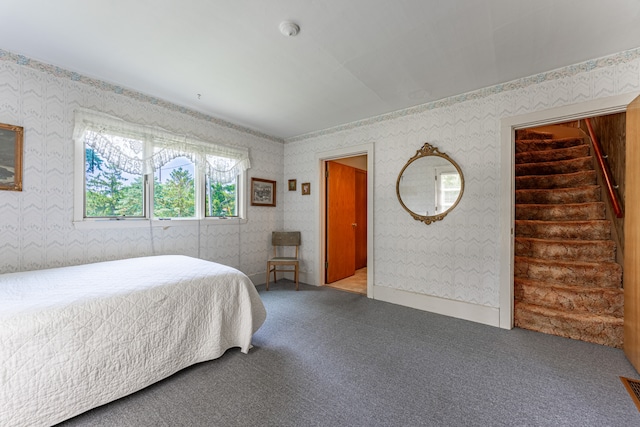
458	309
78	181
507	213
598	107
106	223
321	159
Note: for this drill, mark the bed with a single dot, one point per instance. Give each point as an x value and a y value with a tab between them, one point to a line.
74	338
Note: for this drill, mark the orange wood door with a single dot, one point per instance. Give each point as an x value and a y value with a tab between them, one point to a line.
361	218
341	217
632	237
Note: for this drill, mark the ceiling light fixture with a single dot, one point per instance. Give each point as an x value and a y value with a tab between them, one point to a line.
289	28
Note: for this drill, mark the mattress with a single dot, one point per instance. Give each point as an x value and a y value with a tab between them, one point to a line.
74	338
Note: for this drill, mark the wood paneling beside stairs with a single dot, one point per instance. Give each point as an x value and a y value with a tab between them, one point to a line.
566	280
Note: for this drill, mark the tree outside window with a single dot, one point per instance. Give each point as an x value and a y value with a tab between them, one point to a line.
126	170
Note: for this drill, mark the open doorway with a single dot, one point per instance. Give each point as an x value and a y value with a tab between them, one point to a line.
509	126
568	248
346	224
360	158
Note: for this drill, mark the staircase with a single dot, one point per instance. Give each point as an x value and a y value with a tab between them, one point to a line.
566	280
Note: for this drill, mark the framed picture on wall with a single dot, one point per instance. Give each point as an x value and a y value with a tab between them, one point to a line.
263	192
306	188
11	157
292	185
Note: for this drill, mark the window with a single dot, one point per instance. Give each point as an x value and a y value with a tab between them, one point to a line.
174	189
128	171
448	186
110	191
221	195
221	198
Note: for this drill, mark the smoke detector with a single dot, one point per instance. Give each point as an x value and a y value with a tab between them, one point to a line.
289	28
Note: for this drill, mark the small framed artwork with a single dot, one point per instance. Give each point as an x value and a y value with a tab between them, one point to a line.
11	157
263	192
306	188
292	185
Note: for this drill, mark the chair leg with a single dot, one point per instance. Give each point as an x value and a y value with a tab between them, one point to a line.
268	273
296	274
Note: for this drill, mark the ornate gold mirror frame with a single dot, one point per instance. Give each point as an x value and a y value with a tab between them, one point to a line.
428	168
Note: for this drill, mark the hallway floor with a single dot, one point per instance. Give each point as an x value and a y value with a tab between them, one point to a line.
356	283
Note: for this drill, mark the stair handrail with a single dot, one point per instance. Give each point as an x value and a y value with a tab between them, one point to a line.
606	172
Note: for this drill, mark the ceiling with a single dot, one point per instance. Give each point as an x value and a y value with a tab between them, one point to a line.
352	59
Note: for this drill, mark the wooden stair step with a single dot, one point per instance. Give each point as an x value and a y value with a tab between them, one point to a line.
589	230
532	134
559	212
582	273
584	194
554	167
568	250
551	155
609	301
599	329
575	179
524	145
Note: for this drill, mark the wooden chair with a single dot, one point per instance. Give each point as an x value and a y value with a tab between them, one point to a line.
282	239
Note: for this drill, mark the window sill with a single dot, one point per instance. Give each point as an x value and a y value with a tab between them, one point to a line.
92	224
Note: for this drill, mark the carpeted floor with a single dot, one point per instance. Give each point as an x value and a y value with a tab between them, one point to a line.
330	358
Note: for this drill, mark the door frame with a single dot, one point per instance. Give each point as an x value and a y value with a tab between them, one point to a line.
508	126
320	201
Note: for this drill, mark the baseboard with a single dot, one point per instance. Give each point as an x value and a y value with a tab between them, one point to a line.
458	309
257	278
260	278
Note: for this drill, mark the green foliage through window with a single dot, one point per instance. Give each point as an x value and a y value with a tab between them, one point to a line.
220	199
174	198
111	192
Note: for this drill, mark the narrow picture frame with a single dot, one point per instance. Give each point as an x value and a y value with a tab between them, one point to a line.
292	185
306	188
263	192
11	141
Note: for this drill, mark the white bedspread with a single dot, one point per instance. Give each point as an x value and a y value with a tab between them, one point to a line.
74	338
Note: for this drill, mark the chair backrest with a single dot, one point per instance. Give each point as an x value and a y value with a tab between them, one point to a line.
285	238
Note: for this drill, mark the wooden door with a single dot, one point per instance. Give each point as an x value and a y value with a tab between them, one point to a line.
361	218
632	237
341	217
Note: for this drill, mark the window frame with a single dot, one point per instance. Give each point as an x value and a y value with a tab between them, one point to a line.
79	198
150	204
440	191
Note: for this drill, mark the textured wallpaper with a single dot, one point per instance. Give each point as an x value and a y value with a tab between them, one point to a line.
36	229
457	258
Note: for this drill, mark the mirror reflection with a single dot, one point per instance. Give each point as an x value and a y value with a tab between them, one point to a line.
429	185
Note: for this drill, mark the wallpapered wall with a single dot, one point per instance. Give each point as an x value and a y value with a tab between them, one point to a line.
36	229
457	258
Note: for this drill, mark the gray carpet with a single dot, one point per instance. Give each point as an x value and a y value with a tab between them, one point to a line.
331	358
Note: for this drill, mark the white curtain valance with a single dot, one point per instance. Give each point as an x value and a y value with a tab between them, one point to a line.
140	149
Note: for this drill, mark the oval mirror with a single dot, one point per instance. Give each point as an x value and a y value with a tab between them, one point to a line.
430	185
